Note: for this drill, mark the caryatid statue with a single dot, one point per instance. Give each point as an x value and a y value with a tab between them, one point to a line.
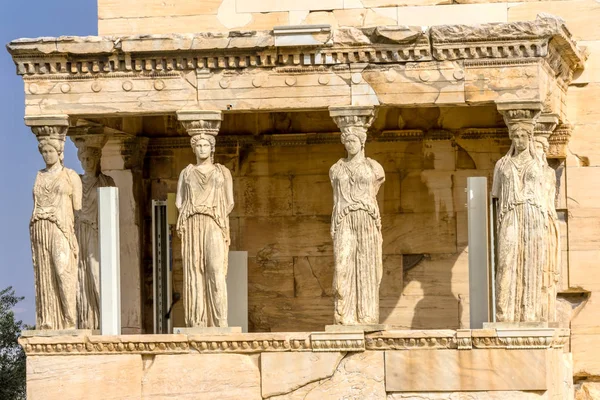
89	151
356	222
520	186
205	200
56	198
545	126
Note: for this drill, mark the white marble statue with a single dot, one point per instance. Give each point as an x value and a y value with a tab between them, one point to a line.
356	232
89	151
205	200
520	186
552	270
56	195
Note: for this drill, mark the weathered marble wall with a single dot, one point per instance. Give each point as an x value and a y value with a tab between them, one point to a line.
425	365
283	209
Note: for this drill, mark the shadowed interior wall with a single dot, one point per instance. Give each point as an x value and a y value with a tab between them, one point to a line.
283	203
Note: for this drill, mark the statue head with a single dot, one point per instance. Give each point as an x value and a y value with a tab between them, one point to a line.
51	148
203	146
521	124
90	159
541	146
89	152
354	138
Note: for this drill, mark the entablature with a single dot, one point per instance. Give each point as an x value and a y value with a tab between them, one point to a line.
246	71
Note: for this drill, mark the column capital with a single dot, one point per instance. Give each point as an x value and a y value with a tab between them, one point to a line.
198	122
559	141
49	125
545	125
357	117
523	114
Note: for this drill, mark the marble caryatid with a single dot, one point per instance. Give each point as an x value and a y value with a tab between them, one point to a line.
522	235
552	270
205	200
356	225
89	151
56	198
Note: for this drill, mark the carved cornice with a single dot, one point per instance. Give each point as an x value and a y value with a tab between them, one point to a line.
523	39
94	57
463	339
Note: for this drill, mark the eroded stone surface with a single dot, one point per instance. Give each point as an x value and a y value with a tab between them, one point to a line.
282	373
90	377
193	376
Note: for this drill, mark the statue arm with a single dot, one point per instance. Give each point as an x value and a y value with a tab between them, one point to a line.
179	195
228	189
335	200
77	190
496	180
379	173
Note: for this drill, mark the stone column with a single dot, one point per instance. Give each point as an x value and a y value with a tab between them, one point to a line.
122	160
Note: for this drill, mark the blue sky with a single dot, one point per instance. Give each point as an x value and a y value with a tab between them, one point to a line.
19	158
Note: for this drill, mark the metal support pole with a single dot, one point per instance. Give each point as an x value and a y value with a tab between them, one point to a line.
478	251
110	256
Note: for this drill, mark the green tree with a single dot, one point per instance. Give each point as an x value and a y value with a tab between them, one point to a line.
12	357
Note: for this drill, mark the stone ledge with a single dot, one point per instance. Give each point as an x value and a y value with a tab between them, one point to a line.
248	343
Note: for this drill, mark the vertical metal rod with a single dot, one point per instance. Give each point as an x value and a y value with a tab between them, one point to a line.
478	251
110	259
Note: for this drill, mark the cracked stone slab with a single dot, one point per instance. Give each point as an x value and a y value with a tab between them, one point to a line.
282	373
358	376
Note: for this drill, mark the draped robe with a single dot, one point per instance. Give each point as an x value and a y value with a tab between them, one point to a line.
54	248
519	185
357	241
203	226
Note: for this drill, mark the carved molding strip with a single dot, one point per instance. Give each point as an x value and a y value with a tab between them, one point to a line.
160	145
277	342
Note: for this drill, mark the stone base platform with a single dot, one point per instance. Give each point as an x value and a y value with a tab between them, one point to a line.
393	364
208	330
358	328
